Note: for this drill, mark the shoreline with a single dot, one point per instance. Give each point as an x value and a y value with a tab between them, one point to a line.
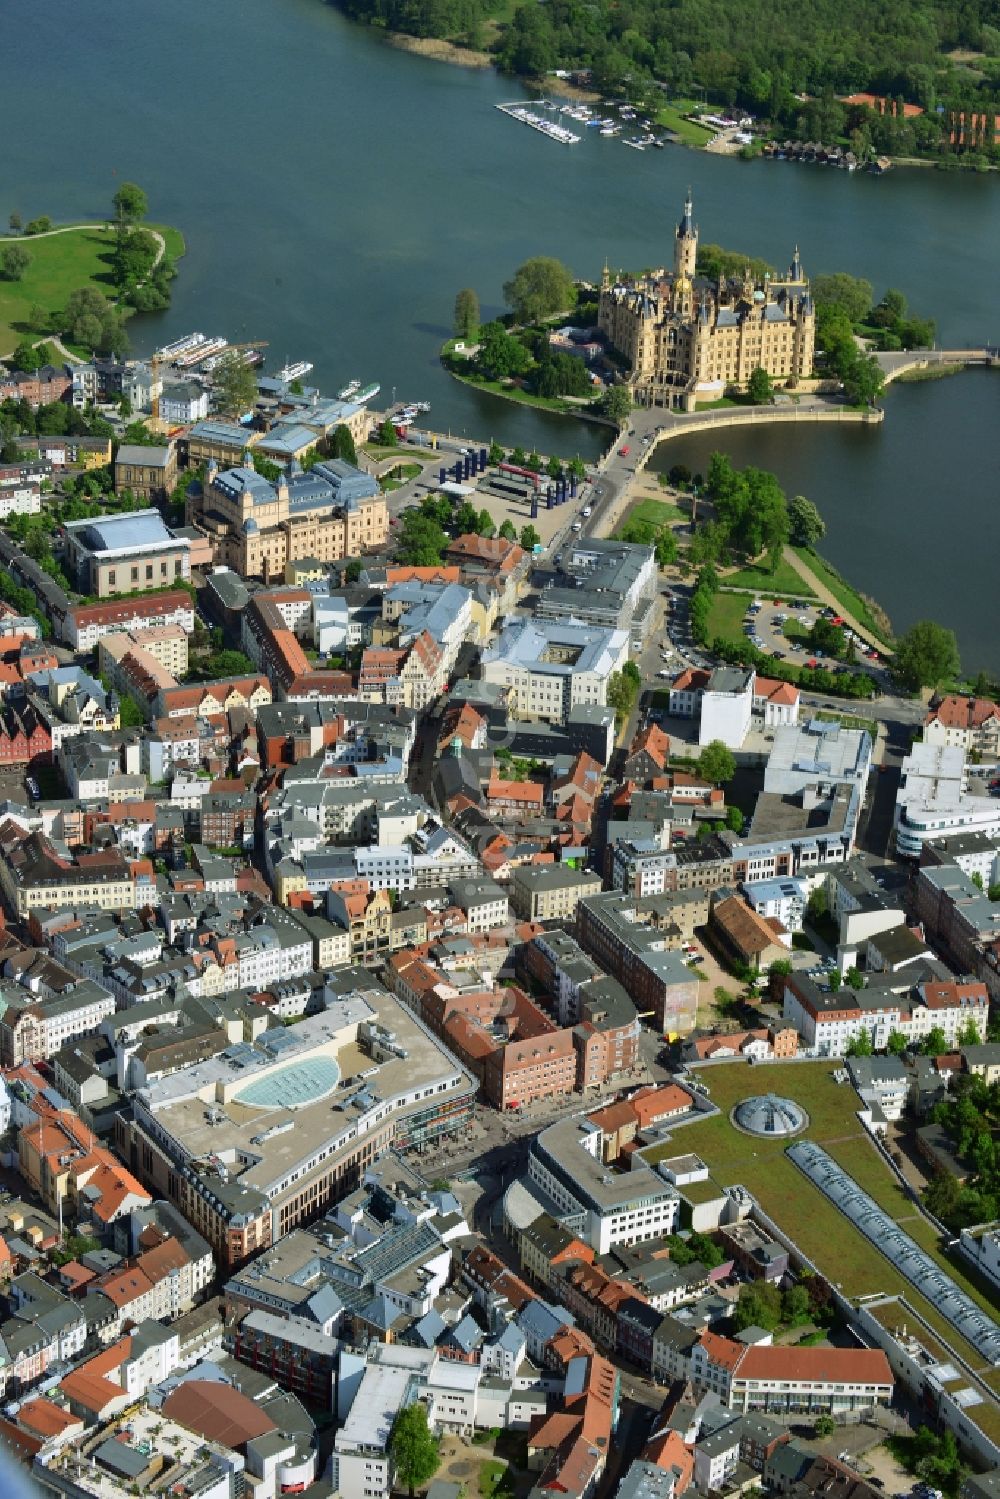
582	414
439	49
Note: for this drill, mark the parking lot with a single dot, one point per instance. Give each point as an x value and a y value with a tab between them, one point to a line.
764	624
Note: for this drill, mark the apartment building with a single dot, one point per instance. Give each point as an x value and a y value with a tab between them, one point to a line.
791	1381
86	623
550	892
638	941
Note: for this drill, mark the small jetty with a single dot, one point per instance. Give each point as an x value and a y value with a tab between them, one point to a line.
526	116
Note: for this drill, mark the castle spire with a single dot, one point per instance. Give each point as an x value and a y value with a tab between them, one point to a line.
686	241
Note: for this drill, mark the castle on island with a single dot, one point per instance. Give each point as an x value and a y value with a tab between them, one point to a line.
682	335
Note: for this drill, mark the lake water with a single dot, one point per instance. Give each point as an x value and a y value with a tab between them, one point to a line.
335	193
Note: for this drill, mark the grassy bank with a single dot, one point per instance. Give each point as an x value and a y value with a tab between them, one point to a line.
672	117
849	597
61	264
784	579
932	372
652	513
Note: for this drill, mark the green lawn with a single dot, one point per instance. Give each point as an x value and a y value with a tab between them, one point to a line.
60	264
793	630
842	592
718	405
654	513
725	617
671	117
821	1231
759	577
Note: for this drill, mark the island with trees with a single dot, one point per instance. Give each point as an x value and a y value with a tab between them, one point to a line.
79	283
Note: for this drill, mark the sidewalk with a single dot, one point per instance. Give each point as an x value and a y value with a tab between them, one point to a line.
826	597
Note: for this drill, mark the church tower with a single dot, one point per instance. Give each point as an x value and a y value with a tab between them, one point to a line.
686	241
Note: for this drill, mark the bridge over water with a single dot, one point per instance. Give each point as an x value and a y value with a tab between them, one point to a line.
896	364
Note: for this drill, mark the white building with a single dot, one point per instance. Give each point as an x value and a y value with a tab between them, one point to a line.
604	1208
727	706
780	1381
936	800
23	497
551	667
784	899
184	402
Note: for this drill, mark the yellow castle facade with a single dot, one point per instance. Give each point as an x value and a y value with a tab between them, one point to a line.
680	333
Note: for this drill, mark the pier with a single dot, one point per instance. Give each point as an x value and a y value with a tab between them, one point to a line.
525	116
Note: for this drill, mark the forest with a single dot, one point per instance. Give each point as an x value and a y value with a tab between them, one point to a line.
782	61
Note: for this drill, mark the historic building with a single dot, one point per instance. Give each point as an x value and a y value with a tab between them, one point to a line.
256	527
680	333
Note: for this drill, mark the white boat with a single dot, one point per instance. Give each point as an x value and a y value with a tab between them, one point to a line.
181	346
636	145
366	393
350	389
201	352
293	371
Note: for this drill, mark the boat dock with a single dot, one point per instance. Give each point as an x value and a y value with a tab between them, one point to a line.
525	116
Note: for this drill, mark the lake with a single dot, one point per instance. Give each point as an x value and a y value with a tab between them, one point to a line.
335	193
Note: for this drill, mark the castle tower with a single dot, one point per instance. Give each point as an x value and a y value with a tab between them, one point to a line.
795	272
686	241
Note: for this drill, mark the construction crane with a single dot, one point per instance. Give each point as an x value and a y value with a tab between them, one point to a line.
157	362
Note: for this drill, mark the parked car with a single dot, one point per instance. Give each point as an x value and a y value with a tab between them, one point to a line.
624	452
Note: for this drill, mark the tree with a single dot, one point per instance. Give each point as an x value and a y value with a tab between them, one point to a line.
90	319
926	655
534	462
387	434
968	1034
130	203
14	223
717	762
529	538
134	258
759	1305
484	523
234	384
806	525
616	403
413	1447
734	820
14	261
834	980
854	978
864	381
342	445
896	1044
824	1426
851	294
554	467
421	540
577	468
976	879
466	314
860	1045
495	455
501	356
760	388
935	1043
507	531
665	547
539	288
41	225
